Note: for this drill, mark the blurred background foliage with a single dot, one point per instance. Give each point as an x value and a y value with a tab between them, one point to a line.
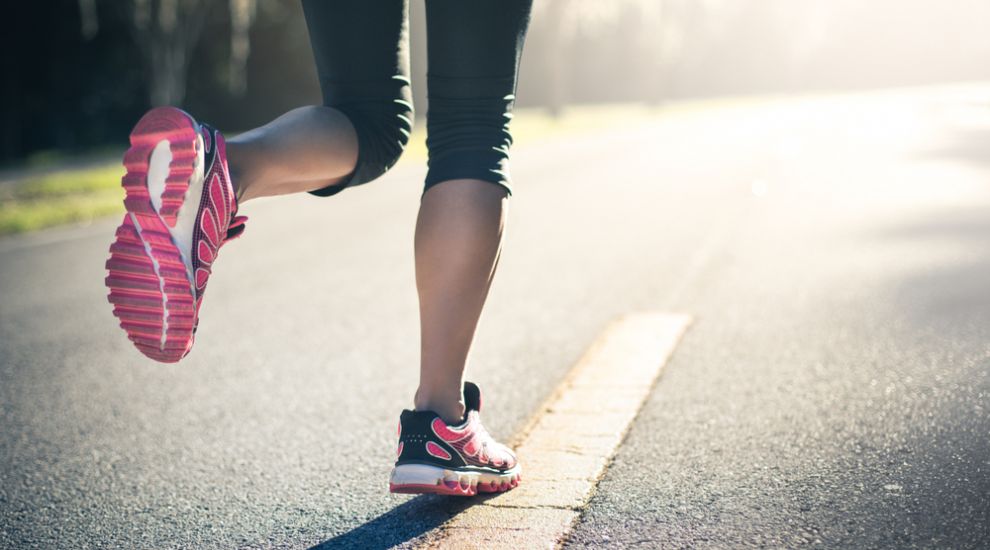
78	73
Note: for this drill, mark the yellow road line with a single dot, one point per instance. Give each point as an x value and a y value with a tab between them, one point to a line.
568	444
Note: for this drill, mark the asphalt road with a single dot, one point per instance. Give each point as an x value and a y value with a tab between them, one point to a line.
833	390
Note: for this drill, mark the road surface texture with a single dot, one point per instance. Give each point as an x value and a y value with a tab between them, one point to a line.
833	391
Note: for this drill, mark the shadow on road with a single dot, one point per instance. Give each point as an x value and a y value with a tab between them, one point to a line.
933	408
955	292
403	523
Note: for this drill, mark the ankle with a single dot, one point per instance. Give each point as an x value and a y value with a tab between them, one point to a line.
451	409
236	167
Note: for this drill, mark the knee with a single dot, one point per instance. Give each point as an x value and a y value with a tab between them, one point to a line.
383	127
468	131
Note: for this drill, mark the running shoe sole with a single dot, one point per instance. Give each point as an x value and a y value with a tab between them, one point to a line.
423	478
151	290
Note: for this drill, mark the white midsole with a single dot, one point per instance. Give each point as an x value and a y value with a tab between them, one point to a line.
185	224
423	474
158	168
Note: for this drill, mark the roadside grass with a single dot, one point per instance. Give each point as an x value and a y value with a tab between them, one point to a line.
24	216
84	194
67	196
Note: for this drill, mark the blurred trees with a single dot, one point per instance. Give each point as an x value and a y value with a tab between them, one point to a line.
166	31
78	73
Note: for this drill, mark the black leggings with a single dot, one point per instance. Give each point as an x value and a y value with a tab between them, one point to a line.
362	57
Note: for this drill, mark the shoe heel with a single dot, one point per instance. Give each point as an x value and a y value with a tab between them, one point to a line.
179	129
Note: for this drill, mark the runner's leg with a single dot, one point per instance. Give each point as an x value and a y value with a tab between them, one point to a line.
474	52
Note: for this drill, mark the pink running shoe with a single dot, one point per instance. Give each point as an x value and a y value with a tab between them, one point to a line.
181	209
461	460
